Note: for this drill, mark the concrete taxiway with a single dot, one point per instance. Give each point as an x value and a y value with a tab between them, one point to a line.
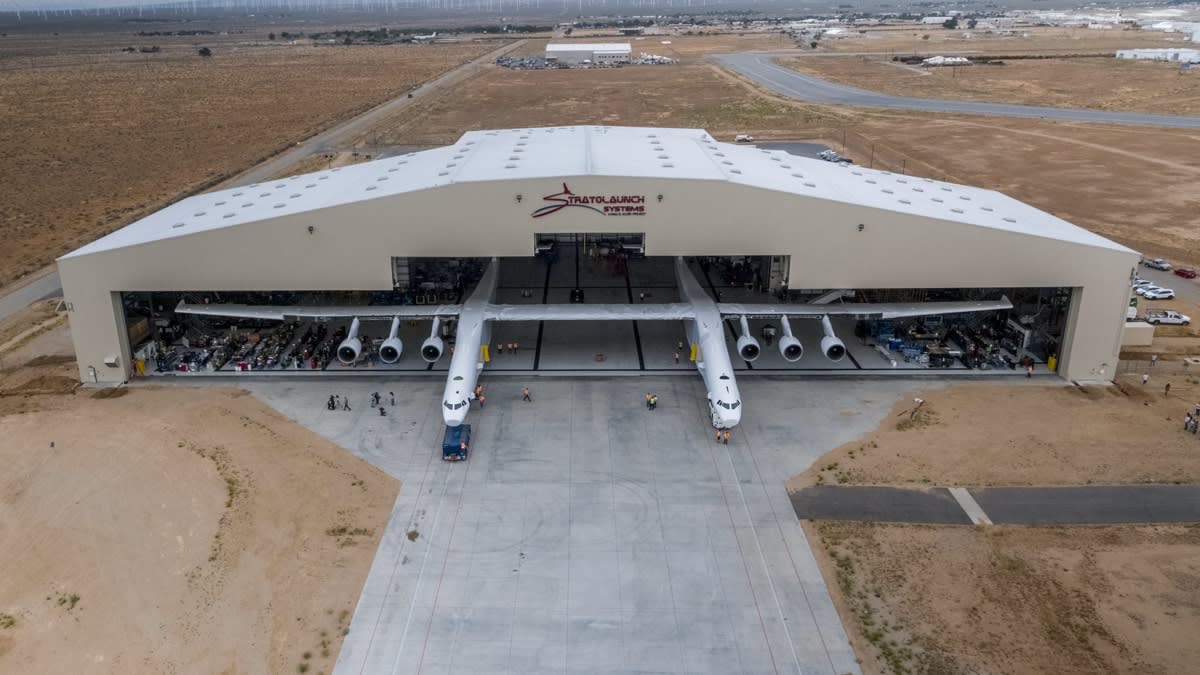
763	69
589	534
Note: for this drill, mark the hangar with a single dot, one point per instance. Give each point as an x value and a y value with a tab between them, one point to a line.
636	208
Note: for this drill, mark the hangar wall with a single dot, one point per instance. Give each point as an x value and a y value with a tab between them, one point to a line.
351	246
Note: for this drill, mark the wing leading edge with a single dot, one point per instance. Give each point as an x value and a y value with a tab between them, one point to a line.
863	310
284	312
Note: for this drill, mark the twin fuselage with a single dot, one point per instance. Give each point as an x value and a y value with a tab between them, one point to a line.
705	332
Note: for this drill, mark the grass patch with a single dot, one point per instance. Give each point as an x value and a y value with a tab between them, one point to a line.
7	620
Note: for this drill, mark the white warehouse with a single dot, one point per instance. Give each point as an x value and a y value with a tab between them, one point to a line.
1174	55
640	212
578	54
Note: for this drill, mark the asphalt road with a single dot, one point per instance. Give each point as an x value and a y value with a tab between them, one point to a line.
1084	505
49	285
762	69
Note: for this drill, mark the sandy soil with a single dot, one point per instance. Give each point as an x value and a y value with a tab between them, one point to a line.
1138	186
174	530
157	127
1099	83
909	39
1034	434
1015	600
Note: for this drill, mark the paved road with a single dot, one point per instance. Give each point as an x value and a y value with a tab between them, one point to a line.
49	284
780	79
346	131
586	534
1084	505
45	286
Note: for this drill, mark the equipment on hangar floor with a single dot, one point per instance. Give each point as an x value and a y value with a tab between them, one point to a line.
456	443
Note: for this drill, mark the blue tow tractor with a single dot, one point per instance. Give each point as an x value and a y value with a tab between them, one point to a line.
456	443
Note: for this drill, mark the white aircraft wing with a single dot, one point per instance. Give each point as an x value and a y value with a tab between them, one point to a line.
284	312
862	310
674	311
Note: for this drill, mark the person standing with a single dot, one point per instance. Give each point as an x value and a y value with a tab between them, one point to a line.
1187	422
679	346
345	403
482	398
525	395
391	394
1028	370
1167	389
516	347
654	402
1145	378
499	348
726	437
718	435
648	402
1153	360
676	358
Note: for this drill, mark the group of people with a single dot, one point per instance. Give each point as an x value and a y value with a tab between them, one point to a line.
512	347
337	401
651	401
1192	421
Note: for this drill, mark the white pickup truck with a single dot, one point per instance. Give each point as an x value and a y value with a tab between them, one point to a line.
1168	317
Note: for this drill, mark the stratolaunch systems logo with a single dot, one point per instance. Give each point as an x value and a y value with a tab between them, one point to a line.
605	205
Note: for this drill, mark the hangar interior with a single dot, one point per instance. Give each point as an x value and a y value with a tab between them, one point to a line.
598	268
597	215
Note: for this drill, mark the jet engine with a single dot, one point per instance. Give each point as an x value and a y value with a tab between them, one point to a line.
833	348
433	346
747	346
392	347
351	347
789	347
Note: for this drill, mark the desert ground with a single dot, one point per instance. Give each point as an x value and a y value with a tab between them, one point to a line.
925	599
95	138
1001	434
171	529
1098	83
910	39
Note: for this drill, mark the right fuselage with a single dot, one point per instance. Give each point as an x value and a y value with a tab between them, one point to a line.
707	331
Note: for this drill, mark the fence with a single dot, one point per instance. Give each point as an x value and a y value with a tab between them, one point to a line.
1161	367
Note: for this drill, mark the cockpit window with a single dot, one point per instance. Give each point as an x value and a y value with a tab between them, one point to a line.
458	377
724	377
735	405
447	404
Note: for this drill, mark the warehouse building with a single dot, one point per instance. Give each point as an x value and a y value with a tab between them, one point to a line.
803	230
1172	55
580	54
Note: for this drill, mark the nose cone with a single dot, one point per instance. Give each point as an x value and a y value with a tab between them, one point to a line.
453	418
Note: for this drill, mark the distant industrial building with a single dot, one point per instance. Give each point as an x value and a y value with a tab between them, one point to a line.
601	54
1173	55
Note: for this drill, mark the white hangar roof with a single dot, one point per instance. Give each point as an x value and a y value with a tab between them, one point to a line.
619	47
562	152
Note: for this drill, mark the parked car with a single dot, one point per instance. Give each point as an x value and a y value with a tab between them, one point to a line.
1157	263
743	138
1142	283
1141	290
1186	273
1160	294
1169	317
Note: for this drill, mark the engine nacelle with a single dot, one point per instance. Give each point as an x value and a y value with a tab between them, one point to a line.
747	346
790	349
351	347
432	348
833	348
390	350
392	347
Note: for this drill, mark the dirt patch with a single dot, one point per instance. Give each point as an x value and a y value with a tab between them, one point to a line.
1007	434
158	127
43	385
192	533
937	599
